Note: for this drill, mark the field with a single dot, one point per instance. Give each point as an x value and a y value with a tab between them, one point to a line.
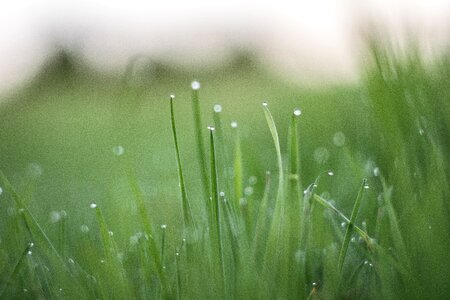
333	191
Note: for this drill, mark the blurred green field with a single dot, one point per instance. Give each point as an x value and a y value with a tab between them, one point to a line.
59	133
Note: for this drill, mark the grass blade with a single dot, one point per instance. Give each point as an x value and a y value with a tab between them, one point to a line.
187	213
216	212
144	216
350	225
198	127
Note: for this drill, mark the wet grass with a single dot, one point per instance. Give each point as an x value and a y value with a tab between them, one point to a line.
106	190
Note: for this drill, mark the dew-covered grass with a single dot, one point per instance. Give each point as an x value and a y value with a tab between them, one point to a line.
243	187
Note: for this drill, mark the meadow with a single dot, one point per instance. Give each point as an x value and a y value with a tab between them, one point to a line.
227	182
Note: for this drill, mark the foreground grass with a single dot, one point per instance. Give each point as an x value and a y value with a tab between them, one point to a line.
346	198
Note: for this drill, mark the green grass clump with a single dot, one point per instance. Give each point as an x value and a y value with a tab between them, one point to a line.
271	216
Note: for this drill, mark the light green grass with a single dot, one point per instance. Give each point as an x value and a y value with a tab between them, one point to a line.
166	224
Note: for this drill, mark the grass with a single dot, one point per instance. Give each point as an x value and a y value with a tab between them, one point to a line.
107	191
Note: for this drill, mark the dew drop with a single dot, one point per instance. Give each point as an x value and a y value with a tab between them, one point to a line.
339	139
353	239
330	173
376	171
35	170
29	252
265	103
163	226
118	150
172	96
299	256
55	216
93	205
177	253
110	233
195	85
315	284
217	108
366	185
25	290
366	262
1	190
297	112
71	261
234	124
222	194
84	228
343	224
134	240
211	128
248	191
11	211
252	180
321	155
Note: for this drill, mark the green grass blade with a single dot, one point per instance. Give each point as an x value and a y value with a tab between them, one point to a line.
216	213
33	227
16	268
358	229
144	217
350	225
187	213
237	166
198	130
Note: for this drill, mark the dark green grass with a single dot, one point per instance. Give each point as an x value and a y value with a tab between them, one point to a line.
237	221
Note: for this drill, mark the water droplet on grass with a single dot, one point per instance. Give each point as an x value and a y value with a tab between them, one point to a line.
172	96
217	108
1	190
248	191
366	185
211	128
265	103
234	124
195	85
84	228
376	171
110	233
321	155
35	170
297	112
93	205
330	173
55	216
118	150
71	261
163	226
339	139
343	224
252	180
29	252
222	194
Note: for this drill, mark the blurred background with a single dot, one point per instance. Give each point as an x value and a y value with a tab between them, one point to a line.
303	41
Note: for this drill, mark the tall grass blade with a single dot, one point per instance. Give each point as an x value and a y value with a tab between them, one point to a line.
198	129
144	217
351	225
187	213
216	234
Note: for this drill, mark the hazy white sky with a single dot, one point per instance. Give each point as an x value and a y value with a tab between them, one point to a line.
312	39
